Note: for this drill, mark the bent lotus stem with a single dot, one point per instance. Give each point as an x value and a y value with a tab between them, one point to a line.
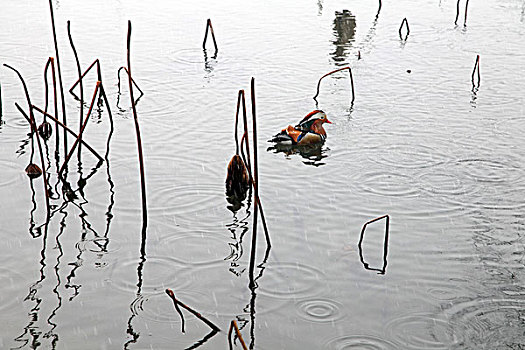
193	312
99	76
210	27
79	71
82	128
58	122
32	124
46	89
55	103
405	22
134	83
335	71
385	244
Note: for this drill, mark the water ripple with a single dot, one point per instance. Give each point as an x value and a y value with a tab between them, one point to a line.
158	307
410	156
197	248
488	170
367	342
320	310
422	331
489	322
158	273
12	282
9	170
388	184
292	281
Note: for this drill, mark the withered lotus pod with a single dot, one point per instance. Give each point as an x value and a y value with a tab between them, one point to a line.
33	171
237	180
45	130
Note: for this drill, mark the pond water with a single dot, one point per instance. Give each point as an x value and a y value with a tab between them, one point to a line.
440	154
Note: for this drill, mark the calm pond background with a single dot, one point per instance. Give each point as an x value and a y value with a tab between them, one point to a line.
443	158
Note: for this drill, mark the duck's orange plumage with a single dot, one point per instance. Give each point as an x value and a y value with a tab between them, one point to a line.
309	130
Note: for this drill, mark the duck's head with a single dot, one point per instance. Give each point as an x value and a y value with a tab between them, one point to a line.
314	117
322	117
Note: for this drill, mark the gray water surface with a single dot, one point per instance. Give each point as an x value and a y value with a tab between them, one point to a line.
443	157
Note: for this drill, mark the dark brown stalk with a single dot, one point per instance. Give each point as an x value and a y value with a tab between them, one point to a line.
134	83
57	140
457	13
245	136
476	68
233	325
64	119
70	131
34	130
466	10
256	187
245	141
335	71
30	119
79	72
46	88
137	130
237	123
1	101
103	93
208	25
193	312
83	126
99	76
404	21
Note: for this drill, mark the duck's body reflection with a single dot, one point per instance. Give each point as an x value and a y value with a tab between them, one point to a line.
313	154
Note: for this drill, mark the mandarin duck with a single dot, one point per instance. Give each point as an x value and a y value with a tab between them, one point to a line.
309	131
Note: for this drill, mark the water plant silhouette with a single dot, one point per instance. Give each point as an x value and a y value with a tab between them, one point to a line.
62	99
381	270
457	13
82	128
404	22
32	124
335	71
233	326
210	27
79	71
476	69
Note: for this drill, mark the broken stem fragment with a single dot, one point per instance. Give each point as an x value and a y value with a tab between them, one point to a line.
193	312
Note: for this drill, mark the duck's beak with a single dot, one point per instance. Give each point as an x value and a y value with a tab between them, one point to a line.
327	121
